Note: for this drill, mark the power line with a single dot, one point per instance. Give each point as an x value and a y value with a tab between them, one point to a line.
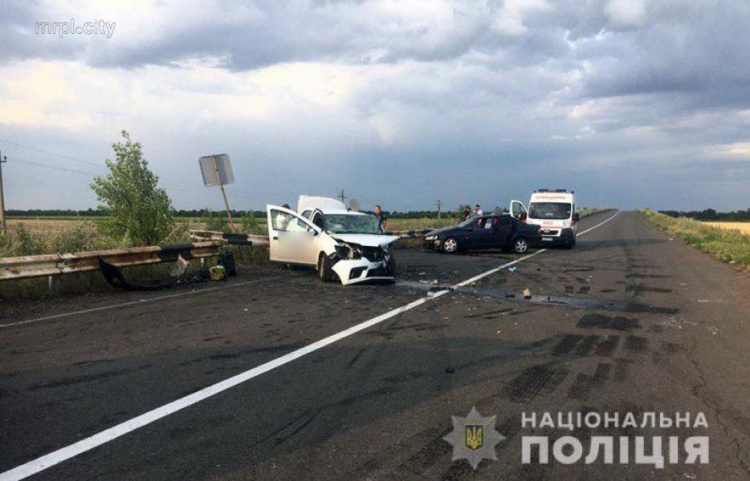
189	189
165	180
173	185
28	147
37	164
176	184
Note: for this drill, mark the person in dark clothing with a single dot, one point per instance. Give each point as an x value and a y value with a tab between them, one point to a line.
467	212
381	216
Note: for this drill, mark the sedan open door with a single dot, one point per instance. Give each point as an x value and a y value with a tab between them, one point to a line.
291	237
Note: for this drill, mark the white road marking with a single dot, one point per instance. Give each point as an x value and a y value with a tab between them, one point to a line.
599	224
73	450
133	303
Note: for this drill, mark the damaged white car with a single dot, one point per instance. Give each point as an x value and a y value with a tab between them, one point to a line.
341	243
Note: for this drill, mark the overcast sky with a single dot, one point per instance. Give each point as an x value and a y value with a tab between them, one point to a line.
631	103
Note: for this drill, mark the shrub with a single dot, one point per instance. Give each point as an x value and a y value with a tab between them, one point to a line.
140	211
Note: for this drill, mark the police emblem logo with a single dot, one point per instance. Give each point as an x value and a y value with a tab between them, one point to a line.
474	438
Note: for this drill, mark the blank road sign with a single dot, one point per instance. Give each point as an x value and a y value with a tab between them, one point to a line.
210	164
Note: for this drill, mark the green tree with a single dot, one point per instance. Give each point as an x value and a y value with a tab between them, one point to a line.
140	213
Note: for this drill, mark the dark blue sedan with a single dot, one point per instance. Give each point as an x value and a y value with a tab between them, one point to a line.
499	231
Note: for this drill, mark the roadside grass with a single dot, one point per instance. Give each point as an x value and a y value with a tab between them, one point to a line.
588	212
727	245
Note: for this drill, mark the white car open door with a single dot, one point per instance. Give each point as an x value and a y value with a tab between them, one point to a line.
518	210
291	237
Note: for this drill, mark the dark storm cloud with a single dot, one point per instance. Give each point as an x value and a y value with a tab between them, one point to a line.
703	51
692	47
18	38
594	92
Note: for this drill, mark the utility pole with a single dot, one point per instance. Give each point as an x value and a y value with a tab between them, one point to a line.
439	204
342	196
3	160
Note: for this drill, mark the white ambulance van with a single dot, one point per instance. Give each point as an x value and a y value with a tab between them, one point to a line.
554	211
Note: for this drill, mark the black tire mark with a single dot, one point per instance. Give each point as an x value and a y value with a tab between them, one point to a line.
599	321
584	383
566	344
636	344
607	346
531	382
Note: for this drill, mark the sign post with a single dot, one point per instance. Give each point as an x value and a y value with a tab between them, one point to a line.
217	170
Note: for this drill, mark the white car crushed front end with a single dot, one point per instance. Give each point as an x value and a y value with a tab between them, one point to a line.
363	258
352	257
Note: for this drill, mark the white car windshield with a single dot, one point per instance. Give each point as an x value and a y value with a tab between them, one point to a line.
352	224
549	210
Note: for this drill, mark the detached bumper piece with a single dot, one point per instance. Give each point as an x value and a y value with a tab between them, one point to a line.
114	277
355	271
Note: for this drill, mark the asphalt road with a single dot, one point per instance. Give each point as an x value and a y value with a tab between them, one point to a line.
628	321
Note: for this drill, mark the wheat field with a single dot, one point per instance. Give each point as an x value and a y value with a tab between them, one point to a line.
743	227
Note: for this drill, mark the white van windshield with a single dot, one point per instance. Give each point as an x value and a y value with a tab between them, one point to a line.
550	210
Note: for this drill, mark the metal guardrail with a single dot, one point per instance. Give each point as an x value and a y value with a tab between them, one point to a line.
228	238
56	264
409	234
250	239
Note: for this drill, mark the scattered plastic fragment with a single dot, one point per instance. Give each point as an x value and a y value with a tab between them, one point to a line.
512	269
218	273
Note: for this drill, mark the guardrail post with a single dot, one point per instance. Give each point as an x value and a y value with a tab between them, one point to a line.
53	285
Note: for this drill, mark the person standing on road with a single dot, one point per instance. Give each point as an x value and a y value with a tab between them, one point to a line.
467	212
381	217
478	211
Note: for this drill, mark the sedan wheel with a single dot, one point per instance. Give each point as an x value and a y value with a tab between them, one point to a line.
325	272
521	245
450	245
